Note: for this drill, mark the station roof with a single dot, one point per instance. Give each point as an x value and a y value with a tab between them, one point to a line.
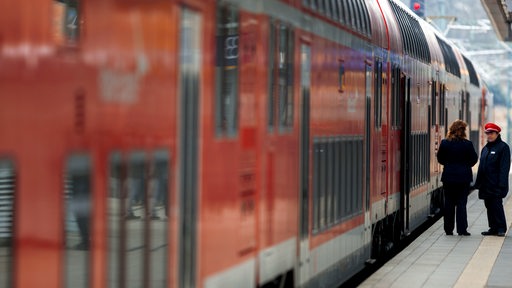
500	17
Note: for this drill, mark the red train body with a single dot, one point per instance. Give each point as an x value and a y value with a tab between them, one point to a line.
219	143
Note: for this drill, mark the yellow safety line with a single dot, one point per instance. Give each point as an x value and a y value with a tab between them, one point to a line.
479	268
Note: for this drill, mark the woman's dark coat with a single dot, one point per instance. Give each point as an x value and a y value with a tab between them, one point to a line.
457	157
492	177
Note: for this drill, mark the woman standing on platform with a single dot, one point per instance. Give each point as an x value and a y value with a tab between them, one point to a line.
492	179
457	155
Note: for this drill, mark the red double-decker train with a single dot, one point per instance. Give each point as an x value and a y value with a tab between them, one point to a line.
201	143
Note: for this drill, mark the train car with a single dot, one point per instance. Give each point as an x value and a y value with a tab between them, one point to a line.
228	143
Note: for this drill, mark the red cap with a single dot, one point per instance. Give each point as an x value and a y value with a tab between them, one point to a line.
492	127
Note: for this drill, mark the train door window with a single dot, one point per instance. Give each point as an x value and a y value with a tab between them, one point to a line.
7	191
395	96
442	103
77	220
227	70
66	21
378	93
434	102
137	219
281	77
468	106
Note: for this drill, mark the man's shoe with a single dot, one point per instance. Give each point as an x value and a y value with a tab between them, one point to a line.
489	233
465	233
500	234
449	233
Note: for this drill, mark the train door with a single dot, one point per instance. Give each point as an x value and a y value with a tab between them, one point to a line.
405	155
305	72
279	201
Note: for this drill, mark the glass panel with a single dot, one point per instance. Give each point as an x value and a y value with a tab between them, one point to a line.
135	212
226	116
7	188
114	205
271	76
159	247
285	77
77	195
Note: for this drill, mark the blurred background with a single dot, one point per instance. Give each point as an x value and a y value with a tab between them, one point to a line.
466	23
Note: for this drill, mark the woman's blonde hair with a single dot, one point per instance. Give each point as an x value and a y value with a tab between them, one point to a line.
457	130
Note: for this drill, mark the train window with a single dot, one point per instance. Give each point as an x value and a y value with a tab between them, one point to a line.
433	96
7	190
378	93
366	19
335	10
66	21
329	8
415	43
337	180
352	17
77	224
442	97
321	6
227	69
396	92
137	219
280	105
314	4
345	15
358	15
473	78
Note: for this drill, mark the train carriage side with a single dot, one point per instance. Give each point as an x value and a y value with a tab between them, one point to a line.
386	145
412	200
334	239
436	115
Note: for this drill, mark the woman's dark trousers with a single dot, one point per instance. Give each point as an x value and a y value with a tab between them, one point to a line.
455	201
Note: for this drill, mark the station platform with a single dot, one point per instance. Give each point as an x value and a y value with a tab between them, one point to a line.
437	260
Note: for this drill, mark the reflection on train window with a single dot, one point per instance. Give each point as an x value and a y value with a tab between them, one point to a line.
337	180
7	188
280	102
226	76
66	21
77	196
137	219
